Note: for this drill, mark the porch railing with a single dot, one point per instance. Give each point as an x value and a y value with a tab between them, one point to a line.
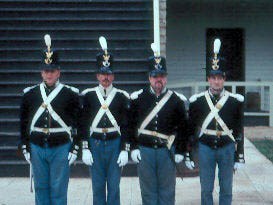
262	87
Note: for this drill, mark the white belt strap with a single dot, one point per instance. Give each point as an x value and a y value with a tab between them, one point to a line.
214	132
54	115
214	114
170	139
104	109
156	109
57	118
47	101
104	130
50	130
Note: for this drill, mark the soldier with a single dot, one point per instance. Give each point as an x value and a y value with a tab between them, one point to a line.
104	121
49	113
216	117
158	123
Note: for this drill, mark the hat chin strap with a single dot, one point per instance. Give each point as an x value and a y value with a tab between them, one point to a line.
158	91
52	86
216	91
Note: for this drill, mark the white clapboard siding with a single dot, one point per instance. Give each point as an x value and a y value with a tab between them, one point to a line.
186	36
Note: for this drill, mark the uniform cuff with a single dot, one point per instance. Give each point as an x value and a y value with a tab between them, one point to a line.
84	144
126	147
75	149
240	158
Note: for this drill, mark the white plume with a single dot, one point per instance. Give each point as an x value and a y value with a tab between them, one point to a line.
47	40
155	49
216	46
103	43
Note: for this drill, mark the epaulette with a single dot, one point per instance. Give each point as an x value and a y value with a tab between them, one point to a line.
124	93
88	90
76	90
239	97
195	96
135	94
29	88
181	96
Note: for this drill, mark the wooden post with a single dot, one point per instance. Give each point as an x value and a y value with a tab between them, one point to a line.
271	106
156	26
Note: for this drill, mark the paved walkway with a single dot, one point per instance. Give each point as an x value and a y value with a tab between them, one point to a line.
252	186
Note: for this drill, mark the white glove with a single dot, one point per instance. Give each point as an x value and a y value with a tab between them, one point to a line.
27	156
189	164
238	166
135	155
122	158
178	158
71	158
26	153
87	157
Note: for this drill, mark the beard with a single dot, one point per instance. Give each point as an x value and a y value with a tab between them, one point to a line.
105	81
158	87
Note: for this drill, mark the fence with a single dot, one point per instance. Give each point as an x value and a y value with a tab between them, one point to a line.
264	88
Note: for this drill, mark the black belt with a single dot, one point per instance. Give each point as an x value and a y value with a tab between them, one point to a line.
44	141
155	146
104	137
152	142
215	144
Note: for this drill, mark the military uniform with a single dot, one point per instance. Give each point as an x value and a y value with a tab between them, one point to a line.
104	121
159	127
217	122
49	118
170	120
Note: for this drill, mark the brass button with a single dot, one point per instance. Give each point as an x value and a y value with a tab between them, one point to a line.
218	133
104	107
46	130
44	105
154	133
218	106
104	130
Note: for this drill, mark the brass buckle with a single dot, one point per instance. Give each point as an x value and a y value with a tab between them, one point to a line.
154	133
104	107
45	130
218	133
104	130
44	105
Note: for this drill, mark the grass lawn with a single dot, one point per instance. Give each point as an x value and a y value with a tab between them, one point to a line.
265	146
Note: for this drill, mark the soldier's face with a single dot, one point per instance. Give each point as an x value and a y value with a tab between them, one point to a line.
105	79
50	77
158	82
216	83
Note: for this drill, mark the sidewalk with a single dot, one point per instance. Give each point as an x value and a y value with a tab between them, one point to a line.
252	186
